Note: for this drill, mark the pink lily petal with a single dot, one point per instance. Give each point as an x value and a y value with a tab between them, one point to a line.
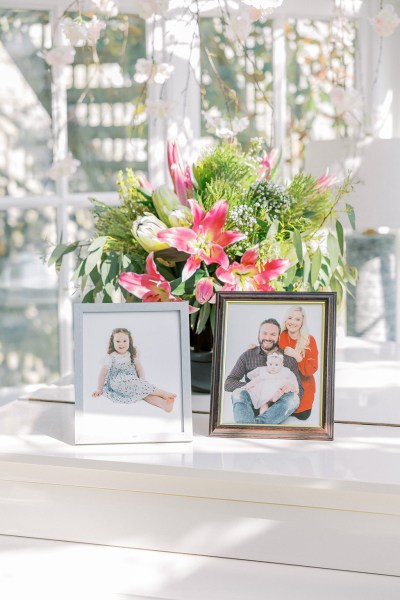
229	237
226	275
272	269
191	266
193	309
215	219
133	283
151	266
180	238
250	256
198	213
217	255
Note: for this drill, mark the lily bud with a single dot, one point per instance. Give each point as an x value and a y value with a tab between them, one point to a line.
165	201
204	290
181	217
145	230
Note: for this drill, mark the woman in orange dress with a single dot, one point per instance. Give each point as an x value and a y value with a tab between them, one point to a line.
296	341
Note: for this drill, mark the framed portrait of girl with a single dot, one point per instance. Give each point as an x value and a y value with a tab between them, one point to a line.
132	373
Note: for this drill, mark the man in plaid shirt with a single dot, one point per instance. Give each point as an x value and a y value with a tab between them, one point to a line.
243	411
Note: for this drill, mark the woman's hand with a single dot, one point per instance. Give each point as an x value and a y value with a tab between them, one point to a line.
292	352
98	392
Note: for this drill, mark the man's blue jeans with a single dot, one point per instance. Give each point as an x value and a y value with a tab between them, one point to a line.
277	413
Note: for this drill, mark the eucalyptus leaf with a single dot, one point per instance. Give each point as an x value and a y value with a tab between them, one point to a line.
351	215
315	266
298	244
97	243
60	251
92	260
333	251
340	236
306	269
203	317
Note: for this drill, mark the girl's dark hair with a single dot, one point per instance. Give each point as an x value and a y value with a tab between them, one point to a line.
131	349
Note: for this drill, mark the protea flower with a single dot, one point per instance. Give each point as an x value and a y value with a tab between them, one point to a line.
145	231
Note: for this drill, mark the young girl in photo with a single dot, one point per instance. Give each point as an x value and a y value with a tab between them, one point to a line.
122	378
295	340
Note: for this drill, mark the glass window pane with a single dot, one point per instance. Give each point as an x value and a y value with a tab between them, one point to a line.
28	298
320	56
244	68
101	101
25	104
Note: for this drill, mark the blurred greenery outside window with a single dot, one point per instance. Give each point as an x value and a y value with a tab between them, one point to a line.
319	56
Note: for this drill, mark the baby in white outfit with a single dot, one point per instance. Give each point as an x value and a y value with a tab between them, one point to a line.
266	382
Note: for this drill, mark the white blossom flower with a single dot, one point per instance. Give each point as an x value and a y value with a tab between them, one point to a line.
94	27
146	70
60	56
106	8
386	21
143	70
75	31
63	168
240	124
347	103
160	109
212	118
221	127
163	72
238	27
264	5
147	9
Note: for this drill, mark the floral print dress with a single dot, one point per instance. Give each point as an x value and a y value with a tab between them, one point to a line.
122	382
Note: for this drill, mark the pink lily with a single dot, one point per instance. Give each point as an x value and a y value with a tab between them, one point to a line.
205	241
180	174
204	290
150	287
145	184
325	181
268	162
247	276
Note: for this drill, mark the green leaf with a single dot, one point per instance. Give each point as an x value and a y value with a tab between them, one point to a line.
315	266
60	251
212	318
263	225
298	244
333	250
340	236
306	270
92	260
79	271
97	243
351	215
178	287
203	317
289	276
105	271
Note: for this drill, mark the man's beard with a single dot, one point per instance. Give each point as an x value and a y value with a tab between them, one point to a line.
268	345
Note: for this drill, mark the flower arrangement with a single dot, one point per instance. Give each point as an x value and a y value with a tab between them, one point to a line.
227	224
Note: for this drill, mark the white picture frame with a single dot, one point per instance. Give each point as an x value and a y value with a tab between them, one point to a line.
160	335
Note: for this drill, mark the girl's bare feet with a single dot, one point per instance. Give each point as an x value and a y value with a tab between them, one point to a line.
169	403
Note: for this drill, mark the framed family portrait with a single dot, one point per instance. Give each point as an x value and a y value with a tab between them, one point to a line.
132	373
273	365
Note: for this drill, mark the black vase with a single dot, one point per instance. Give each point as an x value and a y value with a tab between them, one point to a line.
201	359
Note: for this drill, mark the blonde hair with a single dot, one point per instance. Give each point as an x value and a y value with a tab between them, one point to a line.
131	349
303	341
